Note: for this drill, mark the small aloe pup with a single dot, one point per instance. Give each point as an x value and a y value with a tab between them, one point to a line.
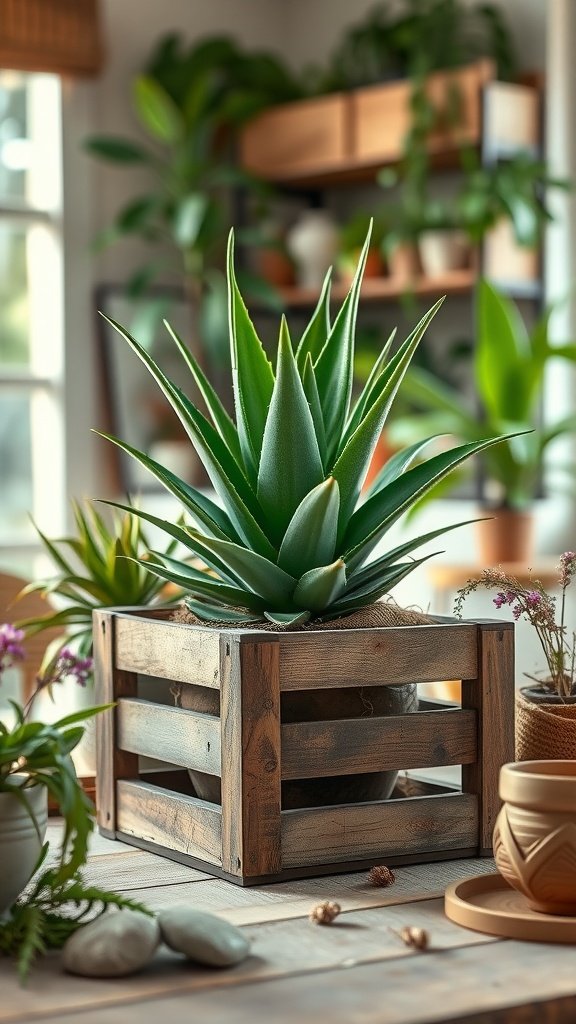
292	540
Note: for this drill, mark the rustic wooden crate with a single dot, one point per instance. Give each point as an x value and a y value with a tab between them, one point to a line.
249	838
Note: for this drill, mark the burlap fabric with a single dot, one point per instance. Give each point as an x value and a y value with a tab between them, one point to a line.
382	613
545	732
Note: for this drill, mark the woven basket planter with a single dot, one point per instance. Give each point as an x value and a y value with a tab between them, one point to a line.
545	732
249	837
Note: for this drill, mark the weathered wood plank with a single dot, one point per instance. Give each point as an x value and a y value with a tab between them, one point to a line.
160	816
186	738
322	835
420	740
492	696
403	654
250	757
170	650
110	683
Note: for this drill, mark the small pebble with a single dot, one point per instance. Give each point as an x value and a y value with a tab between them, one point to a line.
203	937
117	943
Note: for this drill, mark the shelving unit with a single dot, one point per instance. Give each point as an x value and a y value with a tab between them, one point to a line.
343	139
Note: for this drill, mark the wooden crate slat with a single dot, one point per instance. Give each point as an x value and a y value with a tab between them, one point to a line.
430	824
492	695
182	823
312	750
110	683
405	654
251	842
187	738
170	650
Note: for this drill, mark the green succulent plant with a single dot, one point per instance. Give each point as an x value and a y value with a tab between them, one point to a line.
292	538
94	569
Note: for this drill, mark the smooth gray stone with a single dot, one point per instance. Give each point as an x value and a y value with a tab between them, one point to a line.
117	943
203	937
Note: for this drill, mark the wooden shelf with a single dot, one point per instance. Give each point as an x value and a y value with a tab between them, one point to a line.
382	289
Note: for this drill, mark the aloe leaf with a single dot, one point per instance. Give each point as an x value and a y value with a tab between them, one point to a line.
398	464
202	509
314	338
372	571
227	477
318	588
311	391
290	464
56	555
220	418
287	619
205	586
310	539
218	613
259	574
370	595
334	367
363	401
352	465
373	519
252	373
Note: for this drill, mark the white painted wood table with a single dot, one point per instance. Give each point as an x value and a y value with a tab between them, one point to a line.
356	971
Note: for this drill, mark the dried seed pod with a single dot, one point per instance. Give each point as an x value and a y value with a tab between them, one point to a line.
325	912
416	938
381	875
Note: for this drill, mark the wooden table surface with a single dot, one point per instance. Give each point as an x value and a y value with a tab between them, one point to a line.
356	971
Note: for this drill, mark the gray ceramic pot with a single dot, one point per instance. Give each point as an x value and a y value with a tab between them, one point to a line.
317	706
20	842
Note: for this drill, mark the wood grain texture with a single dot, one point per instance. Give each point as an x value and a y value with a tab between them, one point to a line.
186	738
430	824
109	684
169	819
250	756
402	654
492	696
170	650
297	138
419	740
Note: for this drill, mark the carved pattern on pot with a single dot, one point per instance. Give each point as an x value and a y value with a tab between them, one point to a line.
545	871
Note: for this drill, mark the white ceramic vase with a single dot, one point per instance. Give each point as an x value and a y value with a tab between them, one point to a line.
20	843
313	245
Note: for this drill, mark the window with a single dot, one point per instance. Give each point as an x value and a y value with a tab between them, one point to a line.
31	302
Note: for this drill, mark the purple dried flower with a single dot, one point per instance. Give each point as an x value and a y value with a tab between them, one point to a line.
517	611
533	598
11	649
500	599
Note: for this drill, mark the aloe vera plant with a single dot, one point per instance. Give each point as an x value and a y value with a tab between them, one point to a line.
291	539
93	569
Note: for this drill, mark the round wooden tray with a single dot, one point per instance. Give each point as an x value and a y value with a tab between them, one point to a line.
488	904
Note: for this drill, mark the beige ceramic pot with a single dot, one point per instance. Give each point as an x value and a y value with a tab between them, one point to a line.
20	840
535	834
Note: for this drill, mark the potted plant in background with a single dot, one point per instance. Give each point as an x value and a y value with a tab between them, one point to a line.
545	712
352	237
510	364
36	762
95	568
190	101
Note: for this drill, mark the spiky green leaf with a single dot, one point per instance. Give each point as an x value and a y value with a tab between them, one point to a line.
310	540
290	465
314	338
319	588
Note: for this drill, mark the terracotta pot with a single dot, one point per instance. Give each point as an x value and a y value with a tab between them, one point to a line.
374	266
535	834
442	251
20	841
508	537
316	706
275	267
382	453
404	263
545	726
